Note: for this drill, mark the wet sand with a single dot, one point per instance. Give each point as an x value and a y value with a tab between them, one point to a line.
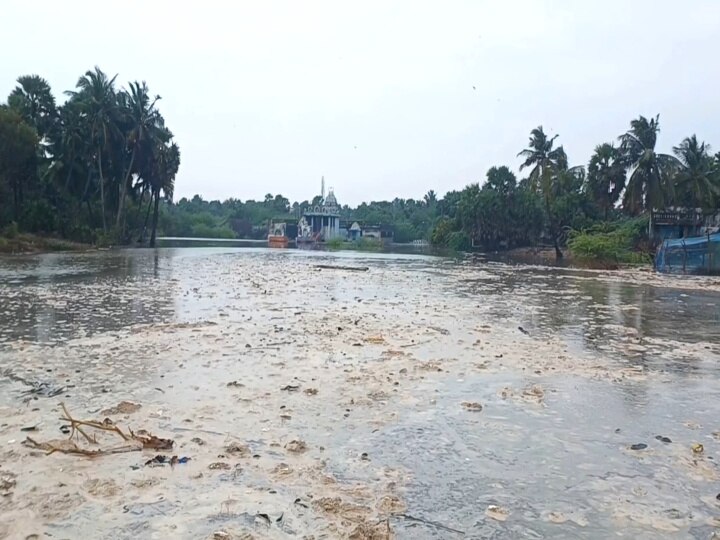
424	398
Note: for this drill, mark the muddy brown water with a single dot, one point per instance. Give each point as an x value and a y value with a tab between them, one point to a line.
205	340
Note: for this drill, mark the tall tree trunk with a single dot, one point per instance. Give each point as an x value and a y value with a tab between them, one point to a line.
155	219
16	200
147	214
136	219
102	191
124	190
67	178
553	229
91	217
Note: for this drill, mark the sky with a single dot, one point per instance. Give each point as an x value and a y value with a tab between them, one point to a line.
385	98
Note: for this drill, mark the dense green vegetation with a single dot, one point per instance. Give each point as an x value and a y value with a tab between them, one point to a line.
91	169
612	243
100	168
596	207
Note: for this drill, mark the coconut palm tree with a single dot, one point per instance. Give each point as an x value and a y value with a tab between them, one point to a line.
96	93
697	182
542	157
648	185
606	177
545	161
143	124
162	180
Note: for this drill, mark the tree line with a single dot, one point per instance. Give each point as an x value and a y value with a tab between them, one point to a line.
90	169
95	168
621	181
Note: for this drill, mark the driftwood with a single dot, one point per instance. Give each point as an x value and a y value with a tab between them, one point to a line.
73	448
346	268
106	425
137	441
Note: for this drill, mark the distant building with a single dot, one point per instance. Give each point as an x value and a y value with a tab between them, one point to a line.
321	223
683	223
354	231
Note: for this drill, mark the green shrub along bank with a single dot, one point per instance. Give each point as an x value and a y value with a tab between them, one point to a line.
612	244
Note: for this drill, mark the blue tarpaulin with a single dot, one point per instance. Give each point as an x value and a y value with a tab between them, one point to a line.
695	255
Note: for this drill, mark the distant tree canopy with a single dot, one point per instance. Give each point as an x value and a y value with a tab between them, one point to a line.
101	167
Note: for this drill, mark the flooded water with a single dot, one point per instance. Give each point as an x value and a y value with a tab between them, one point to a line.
344	404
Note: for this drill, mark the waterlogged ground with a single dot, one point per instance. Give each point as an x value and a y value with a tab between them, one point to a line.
336	404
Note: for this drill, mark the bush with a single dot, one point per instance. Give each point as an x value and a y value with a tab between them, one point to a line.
10	231
335	243
202	230
458	241
612	243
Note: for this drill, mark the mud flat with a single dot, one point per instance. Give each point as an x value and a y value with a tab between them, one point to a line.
423	398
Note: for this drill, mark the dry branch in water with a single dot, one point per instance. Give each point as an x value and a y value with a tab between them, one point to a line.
138	441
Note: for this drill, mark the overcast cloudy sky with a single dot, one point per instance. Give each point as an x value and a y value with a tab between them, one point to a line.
386	98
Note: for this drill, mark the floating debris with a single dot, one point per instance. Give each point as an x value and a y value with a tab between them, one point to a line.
698	448
124	407
498	513
297	446
472	406
37	388
345	268
235	448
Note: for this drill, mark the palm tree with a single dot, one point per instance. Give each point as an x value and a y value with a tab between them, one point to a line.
542	157
697	182
165	167
501	179
96	93
32	98
648	186
430	198
545	161
606	177
143	122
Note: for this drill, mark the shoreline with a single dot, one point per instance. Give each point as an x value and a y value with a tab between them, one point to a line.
31	244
